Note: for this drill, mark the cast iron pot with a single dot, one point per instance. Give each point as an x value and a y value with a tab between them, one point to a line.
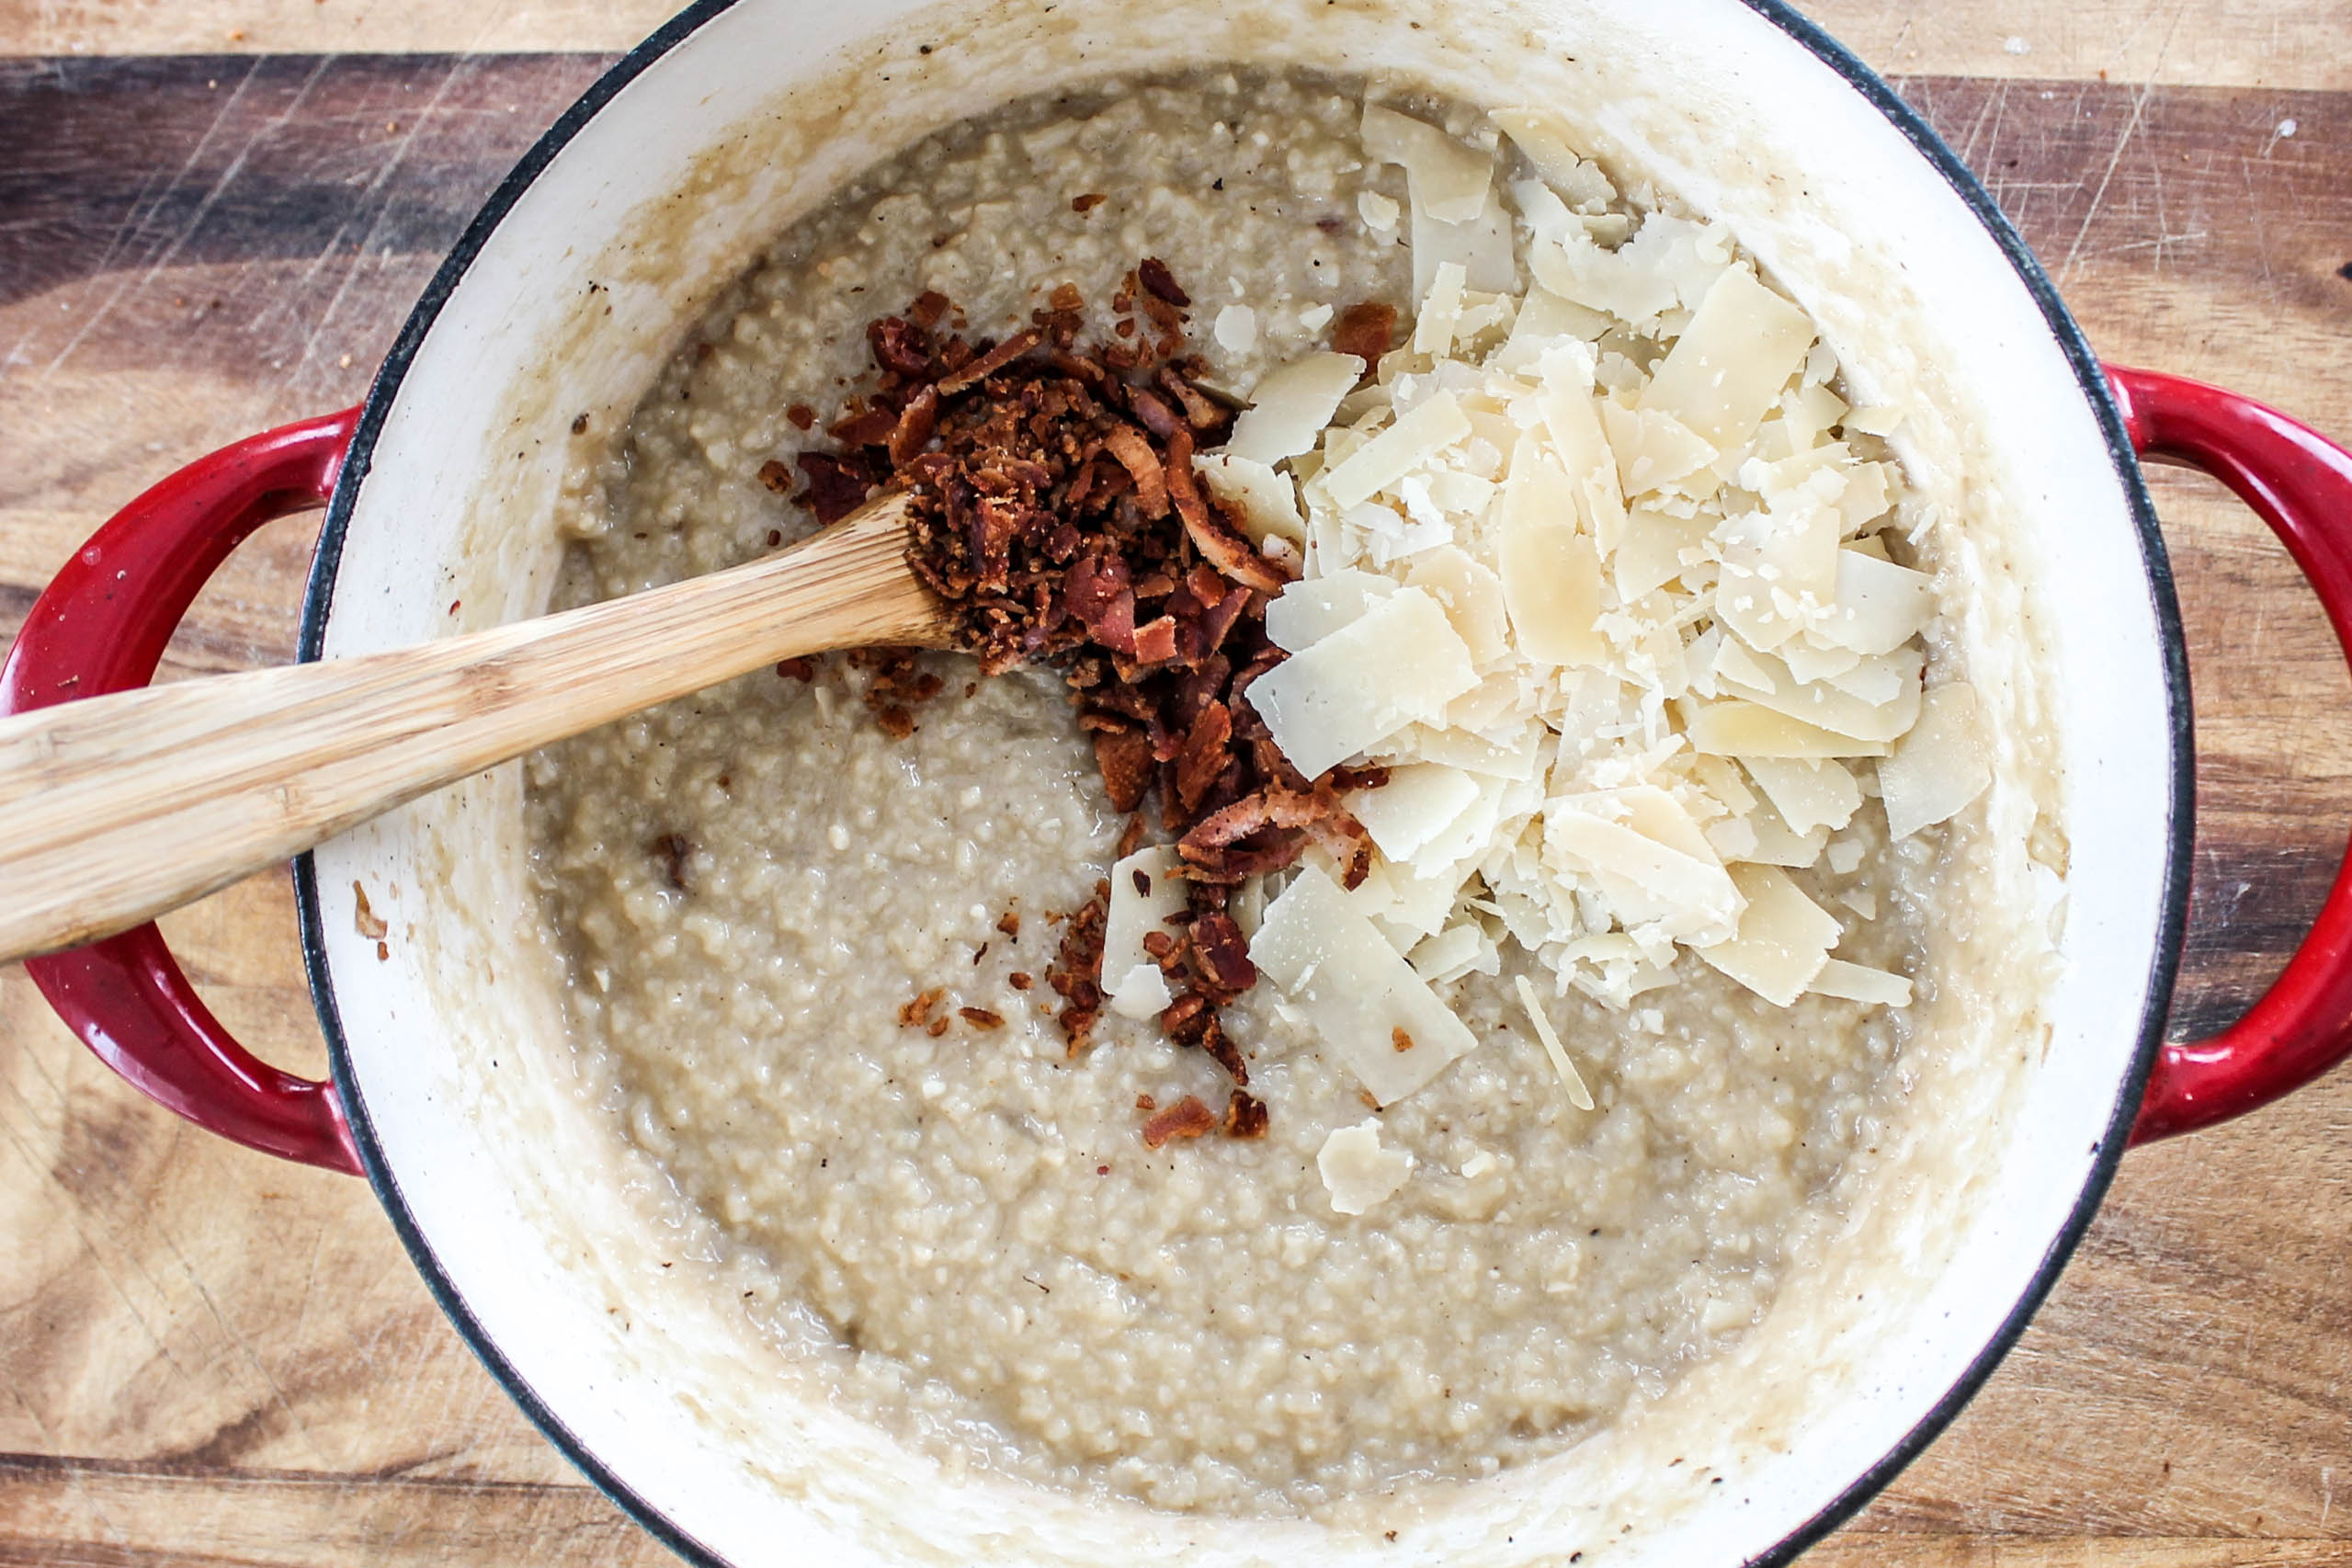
438	995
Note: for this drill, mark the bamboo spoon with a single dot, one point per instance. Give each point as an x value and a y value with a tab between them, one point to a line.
115	809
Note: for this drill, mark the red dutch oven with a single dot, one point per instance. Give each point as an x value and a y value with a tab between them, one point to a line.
563	296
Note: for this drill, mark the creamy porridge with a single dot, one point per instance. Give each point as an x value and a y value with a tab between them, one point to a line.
959	1211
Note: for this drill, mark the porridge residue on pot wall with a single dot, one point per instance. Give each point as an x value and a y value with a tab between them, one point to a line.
754	883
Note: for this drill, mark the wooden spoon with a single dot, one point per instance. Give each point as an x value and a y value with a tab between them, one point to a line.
115	809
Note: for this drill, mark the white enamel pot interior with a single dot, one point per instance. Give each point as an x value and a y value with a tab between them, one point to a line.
578	280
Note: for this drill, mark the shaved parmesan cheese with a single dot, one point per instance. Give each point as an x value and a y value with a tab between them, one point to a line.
1388	457
1690	895
1290	407
1433	328
1266	499
1549	147
1380	213
1551	573
1741	347
1557	682
1453	952
1545	318
1855	983
1744	729
1144	893
1356	1172
1398	663
1940	768
1474	599
1236	329
1311	608
1772	843
1141	992
1880	606
1654	450
1569	417
1578	1096
1419	802
1825	706
1447	180
1650	554
1808	794
1354	990
1482	248
1784	937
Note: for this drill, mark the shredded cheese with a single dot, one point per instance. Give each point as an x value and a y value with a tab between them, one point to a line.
1578	1096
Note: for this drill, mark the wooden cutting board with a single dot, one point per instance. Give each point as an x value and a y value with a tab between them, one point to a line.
213	216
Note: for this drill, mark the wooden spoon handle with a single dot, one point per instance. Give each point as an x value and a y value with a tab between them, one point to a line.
117	808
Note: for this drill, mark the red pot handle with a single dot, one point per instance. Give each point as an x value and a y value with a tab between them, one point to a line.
2300	482
101	626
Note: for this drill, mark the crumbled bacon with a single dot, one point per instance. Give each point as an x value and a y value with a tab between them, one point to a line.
1245	1116
1055	512
1185	1119
1077	969
1364	331
1154	275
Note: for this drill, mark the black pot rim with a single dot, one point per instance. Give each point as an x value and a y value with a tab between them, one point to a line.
318	602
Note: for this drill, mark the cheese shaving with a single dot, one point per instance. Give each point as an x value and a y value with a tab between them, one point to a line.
1578	1096
1602	571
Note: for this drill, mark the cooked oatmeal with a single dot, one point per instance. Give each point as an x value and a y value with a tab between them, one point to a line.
759	884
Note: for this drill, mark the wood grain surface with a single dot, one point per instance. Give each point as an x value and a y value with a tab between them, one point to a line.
213	216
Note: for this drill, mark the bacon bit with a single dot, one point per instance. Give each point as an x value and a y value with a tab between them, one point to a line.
776	476
1222	953
1077	973
1009	923
1155	643
802	417
1185	1119
1142	465
1245	1116
1367	331
1399	1039
917	1011
838	486
895	722
1055	512
913	427
1220	1049
1130	837
864	427
775	537
675	850
797	670
1199	411
981	1017
1204	759
991	362
899	344
1087	202
1145	1102
1020	980
1125	762
1154	275
939	1027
